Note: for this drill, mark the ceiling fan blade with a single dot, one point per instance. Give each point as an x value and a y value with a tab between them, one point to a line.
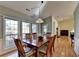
27	9
33	7
38	6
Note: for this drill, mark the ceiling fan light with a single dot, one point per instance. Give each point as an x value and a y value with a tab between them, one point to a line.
39	20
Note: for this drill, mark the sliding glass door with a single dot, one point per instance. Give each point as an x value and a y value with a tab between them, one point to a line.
11	32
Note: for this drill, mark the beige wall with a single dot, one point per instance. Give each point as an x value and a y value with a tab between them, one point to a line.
66	24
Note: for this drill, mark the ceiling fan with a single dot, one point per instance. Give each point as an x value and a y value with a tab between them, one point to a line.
33	7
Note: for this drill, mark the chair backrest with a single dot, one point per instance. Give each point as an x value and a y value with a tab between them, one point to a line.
49	46
34	35
19	46
54	37
40	38
28	36
48	34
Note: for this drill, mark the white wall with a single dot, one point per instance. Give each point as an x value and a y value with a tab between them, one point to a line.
76	19
51	23
54	25
48	22
0	32
1	28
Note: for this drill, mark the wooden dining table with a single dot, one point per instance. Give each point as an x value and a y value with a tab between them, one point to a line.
35	43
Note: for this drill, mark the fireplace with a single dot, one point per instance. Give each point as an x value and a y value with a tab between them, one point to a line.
64	32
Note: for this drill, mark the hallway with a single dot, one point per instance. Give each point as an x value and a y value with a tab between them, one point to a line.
63	48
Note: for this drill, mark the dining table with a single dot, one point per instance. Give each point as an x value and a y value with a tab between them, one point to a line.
35	43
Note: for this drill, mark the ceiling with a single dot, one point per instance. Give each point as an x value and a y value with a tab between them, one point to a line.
21	5
58	9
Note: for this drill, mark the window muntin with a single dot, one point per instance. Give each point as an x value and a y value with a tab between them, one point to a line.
11	32
34	28
25	28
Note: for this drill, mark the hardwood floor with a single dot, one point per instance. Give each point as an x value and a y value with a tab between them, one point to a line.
62	48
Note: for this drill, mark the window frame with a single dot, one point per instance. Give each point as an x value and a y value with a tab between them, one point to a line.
36	28
22	28
4	31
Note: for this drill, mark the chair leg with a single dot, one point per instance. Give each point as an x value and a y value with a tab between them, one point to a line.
18	55
53	48
51	52
36	52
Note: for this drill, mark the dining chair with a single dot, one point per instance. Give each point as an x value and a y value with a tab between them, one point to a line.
22	52
72	38
34	35
48	34
53	42
28	36
47	50
40	38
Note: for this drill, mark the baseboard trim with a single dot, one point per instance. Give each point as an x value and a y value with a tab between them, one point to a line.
75	54
76	46
6	51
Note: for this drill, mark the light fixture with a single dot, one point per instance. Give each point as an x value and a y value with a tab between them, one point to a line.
39	20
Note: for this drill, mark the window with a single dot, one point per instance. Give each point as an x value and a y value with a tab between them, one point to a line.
11	31
34	28
25	28
45	28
